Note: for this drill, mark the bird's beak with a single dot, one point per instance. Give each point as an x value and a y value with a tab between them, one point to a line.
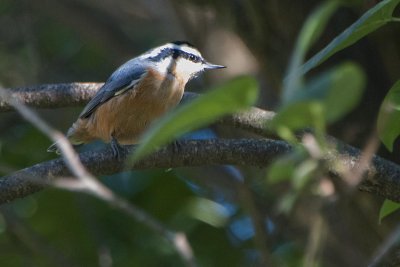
209	66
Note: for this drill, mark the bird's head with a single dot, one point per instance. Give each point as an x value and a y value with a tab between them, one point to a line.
179	58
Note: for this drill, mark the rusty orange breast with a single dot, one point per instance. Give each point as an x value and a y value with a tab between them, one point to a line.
128	115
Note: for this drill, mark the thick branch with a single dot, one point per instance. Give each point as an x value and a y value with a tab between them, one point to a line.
189	153
52	95
382	177
75	94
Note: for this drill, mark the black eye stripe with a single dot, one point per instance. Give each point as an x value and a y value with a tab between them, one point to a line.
179	53
175	53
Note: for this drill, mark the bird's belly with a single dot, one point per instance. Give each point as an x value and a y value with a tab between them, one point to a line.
127	116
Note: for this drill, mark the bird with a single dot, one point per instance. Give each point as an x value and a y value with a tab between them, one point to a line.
137	93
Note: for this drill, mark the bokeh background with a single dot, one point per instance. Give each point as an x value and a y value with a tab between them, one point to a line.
232	216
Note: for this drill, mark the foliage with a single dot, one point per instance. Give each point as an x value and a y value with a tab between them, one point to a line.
388	207
309	34
220	208
389	117
323	100
228	98
329	96
372	20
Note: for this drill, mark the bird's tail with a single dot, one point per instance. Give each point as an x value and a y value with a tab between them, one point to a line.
54	148
71	135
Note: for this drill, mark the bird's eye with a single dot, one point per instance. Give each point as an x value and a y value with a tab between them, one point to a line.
192	58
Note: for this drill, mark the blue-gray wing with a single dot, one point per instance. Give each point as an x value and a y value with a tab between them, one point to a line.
123	79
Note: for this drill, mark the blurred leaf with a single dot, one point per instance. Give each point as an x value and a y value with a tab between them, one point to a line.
287	202
315	25
296	167
347	87
389	117
373	19
233	96
281	170
208	211
388	207
298	116
285	166
310	32
327	98
303	173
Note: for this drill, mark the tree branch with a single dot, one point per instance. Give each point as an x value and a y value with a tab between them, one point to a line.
190	153
75	94
51	95
381	177
86	182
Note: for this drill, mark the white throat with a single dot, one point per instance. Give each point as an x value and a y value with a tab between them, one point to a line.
181	68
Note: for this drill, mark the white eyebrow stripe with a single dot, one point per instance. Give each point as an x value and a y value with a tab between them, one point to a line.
190	50
156	51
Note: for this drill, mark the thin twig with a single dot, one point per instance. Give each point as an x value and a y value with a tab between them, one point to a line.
315	242
93	187
389	246
354	177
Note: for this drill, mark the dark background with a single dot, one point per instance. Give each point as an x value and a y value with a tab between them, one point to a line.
330	223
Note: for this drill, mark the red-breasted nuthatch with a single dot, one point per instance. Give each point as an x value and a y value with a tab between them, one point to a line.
138	92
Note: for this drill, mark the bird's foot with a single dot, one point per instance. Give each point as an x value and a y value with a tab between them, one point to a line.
116	149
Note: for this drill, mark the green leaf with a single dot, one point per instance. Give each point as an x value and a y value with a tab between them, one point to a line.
208	211
280	170
315	25
285	167
388	207
303	173
347	87
310	32
373	19
389	117
326	98
298	116
287	202
235	95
